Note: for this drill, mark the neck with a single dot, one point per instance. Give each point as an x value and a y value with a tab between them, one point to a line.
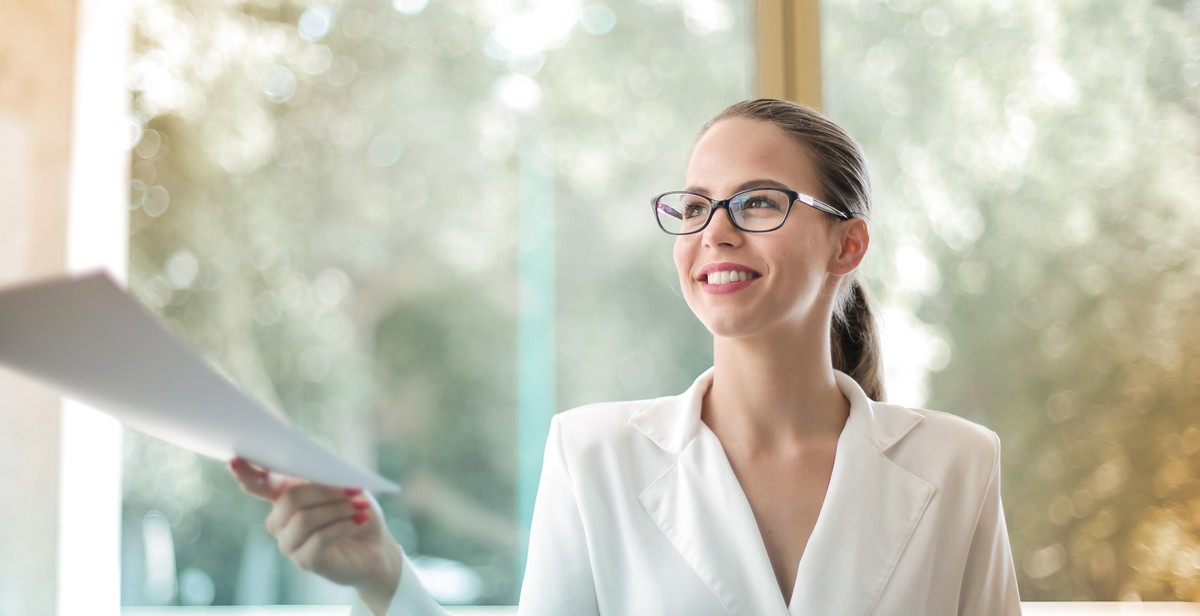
776	391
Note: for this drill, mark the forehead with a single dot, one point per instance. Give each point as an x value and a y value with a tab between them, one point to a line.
739	150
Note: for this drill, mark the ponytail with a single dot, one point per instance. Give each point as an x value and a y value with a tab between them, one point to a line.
854	339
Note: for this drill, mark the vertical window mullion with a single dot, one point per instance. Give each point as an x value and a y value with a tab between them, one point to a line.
788	50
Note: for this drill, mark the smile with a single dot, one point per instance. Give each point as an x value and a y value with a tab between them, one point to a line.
727	277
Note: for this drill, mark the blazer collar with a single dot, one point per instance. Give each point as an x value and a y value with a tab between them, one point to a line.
672	422
870	510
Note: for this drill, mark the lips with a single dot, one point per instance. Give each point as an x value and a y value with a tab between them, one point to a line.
719	274
728	277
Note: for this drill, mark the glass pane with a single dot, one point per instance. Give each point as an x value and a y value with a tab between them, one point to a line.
1036	166
418	228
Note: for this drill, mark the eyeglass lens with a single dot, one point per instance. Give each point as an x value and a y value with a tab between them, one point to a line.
754	210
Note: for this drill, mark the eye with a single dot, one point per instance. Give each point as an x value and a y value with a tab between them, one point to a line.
765	202
694	207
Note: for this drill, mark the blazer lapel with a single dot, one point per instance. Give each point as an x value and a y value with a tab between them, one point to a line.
699	506
870	511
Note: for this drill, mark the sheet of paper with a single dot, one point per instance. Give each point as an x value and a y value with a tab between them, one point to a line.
88	339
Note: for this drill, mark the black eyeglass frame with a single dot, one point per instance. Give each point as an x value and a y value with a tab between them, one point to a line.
716	204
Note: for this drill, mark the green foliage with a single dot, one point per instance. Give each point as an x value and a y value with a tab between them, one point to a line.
326	201
1046	158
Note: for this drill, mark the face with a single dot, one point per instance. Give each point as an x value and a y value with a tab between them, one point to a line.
741	284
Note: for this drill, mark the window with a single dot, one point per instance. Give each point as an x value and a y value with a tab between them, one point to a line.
421	229
1036	167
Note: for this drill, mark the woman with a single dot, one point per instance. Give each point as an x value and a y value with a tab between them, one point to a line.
774	485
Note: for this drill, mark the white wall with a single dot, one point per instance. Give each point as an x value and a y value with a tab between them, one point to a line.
63	207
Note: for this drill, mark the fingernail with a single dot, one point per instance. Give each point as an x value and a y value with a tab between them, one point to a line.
360	504
353	491
361	518
235	464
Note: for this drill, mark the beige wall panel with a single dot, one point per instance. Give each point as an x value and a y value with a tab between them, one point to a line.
36	58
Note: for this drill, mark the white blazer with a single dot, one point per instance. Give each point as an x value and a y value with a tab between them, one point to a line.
639	513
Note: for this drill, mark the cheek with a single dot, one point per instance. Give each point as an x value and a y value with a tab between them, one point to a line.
682	255
803	256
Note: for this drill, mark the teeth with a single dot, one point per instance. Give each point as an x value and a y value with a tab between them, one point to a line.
727	277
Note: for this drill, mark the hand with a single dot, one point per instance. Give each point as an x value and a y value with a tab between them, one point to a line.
336	533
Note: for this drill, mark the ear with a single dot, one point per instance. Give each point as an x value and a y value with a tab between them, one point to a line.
854	237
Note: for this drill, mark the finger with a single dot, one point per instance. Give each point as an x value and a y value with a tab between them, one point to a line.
308	555
257	481
302	497
303	525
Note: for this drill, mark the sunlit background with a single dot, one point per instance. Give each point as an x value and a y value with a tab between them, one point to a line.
421	227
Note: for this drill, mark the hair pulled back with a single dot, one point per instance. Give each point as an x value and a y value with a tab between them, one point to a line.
841	171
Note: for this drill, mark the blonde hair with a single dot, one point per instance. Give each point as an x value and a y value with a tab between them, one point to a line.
841	171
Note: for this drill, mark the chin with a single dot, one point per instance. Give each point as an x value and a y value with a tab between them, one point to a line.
728	326
720	322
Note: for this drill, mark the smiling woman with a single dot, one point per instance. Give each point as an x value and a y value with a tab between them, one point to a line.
774	485
1032	253
271	133
840	177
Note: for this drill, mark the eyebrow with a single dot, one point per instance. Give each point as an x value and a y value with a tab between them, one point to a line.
760	183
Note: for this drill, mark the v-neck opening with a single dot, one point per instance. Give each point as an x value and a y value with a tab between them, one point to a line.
821	516
870	511
788	598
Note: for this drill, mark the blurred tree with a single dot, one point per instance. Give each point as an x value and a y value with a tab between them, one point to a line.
1038	165
325	199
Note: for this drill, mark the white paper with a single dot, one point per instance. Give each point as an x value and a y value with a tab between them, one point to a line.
85	337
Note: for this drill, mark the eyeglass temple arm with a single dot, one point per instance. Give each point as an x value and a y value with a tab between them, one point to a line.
824	207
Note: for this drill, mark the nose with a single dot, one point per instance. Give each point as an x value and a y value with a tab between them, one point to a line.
720	230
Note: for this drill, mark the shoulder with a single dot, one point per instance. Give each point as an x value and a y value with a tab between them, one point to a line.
957	432
598	425
600	444
919	440
600	415
943	447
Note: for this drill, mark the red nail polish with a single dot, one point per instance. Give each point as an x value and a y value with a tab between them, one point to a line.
361	518
360	504
353	491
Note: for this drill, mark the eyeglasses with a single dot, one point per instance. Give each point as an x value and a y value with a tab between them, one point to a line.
757	210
